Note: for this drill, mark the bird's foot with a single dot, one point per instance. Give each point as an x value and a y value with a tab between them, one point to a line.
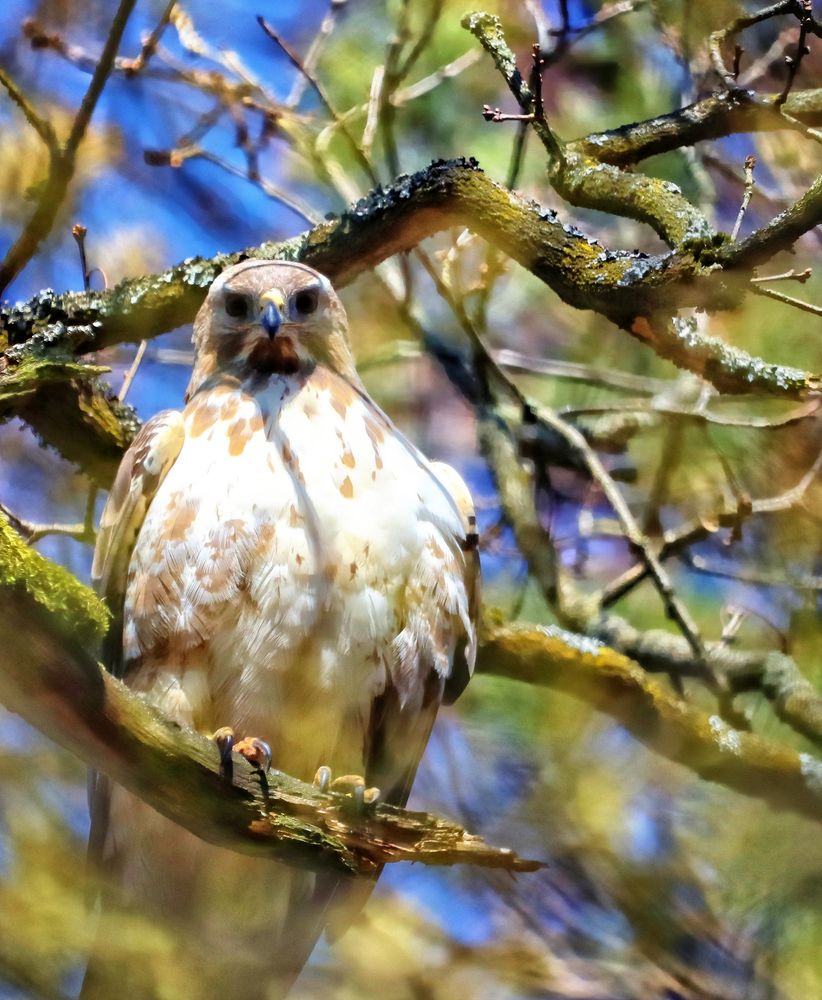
255	751
348	784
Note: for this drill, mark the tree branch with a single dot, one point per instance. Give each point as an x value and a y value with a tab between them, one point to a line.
670	726
49	679
48	619
713	117
635	291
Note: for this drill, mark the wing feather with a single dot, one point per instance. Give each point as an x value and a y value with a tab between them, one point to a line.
403	715
462	667
143	468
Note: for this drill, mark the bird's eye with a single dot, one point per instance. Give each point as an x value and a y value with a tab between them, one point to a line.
237	305
306	301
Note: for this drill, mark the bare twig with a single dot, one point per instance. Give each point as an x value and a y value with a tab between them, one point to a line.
529	364
739	24
41	125
792	275
79	231
674	607
750	163
496	115
794	62
486	29
33	532
319	90
789	300
178	156
674	542
132	370
150	43
318	42
433	80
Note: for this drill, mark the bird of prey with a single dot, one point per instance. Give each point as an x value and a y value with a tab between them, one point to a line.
282	561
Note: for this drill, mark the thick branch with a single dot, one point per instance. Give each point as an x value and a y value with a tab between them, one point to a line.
47	619
588	181
67	405
48	678
631	289
668	725
719	115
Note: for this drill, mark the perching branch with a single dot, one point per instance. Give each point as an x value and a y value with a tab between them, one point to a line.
48	677
47	619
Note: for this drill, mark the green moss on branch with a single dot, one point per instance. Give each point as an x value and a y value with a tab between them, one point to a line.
670	726
77	609
47	619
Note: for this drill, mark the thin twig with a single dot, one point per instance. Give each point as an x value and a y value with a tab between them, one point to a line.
150	43
318	42
802	49
33	532
319	90
272	191
674	607
496	115
372	117
674	542
750	163
433	80
792	275
78	231
717	38
610	378
132	370
789	300
41	126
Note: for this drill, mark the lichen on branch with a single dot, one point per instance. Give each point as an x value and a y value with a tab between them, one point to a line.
48	620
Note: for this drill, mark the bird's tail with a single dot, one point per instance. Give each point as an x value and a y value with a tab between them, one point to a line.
183	918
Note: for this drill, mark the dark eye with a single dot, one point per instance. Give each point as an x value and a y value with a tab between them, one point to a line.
306	301
236	305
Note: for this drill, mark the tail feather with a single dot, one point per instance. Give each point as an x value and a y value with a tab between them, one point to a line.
180	917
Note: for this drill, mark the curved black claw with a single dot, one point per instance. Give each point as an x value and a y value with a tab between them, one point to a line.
224	738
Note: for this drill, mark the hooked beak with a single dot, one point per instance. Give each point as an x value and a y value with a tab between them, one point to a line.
271	315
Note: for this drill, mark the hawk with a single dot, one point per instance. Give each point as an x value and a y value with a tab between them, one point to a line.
282	561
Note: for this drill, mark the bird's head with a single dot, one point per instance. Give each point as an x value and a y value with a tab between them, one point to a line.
270	317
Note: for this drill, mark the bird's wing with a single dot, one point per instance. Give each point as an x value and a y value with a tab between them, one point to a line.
465	654
435	659
435	650
143	468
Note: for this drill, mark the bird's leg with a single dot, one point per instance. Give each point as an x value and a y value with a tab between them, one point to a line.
351	784
255	751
